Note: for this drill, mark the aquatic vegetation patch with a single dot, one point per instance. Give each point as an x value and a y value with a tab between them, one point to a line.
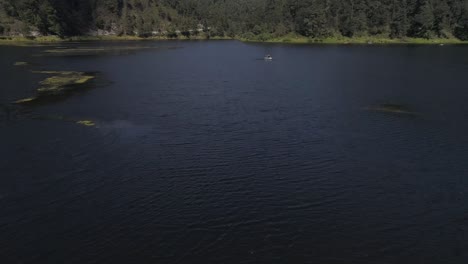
63	81
25	100
87	123
60	83
393	109
21	63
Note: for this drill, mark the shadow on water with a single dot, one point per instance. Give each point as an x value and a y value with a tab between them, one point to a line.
10	113
6	112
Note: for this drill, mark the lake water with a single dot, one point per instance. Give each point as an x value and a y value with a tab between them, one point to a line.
205	153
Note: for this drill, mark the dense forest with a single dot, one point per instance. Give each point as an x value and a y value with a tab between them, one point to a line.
251	19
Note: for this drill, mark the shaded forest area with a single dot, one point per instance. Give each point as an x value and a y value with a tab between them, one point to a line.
250	19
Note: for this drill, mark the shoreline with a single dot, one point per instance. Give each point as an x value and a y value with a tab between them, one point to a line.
294	39
23	41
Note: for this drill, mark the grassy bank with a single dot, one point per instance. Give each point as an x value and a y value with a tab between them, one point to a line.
23	41
293	39
26	41
135	38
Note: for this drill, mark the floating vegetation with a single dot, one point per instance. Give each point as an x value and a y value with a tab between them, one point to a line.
61	83
63	80
57	86
393	109
21	63
87	123
25	100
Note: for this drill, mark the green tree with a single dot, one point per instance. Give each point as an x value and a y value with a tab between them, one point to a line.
399	22
423	23
461	29
442	19
311	21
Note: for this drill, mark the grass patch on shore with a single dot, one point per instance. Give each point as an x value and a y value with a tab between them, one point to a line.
290	38
37	41
23	41
153	38
297	39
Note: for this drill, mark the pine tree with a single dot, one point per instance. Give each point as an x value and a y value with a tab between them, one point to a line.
423	23
442	19
399	25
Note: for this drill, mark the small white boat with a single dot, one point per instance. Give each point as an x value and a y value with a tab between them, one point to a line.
268	58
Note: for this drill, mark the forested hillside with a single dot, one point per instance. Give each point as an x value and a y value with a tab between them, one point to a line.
253	19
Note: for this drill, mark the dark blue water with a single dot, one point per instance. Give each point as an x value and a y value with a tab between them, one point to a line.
209	154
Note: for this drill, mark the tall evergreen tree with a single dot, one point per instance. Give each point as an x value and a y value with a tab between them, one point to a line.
399	23
423	23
